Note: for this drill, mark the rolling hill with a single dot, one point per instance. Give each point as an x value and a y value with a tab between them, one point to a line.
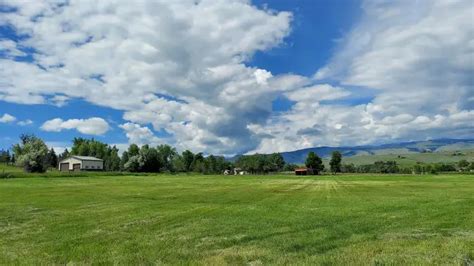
433	150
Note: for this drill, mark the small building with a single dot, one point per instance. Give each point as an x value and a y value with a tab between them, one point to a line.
81	163
304	171
301	171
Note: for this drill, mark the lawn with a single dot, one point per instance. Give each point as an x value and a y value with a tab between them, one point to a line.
192	219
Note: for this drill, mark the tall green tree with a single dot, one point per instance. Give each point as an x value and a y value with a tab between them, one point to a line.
314	162
63	155
133	150
166	154
113	159
151	159
146	160
178	164
221	164
187	159
52	158
134	164
31	154
124	160
335	162
198	163
277	162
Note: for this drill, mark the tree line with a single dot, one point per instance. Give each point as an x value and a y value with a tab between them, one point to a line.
261	163
165	158
391	167
34	156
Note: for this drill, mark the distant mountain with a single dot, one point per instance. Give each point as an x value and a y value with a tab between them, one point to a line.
438	145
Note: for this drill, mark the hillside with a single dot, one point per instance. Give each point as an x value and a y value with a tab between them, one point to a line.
411	159
441	150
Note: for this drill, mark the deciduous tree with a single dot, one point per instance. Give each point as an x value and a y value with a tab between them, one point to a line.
335	162
31	154
314	162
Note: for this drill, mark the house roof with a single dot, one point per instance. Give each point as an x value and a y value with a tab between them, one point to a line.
85	158
301	169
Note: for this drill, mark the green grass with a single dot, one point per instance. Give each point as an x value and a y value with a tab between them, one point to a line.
191	219
10	168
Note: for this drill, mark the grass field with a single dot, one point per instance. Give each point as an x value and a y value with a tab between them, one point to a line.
191	219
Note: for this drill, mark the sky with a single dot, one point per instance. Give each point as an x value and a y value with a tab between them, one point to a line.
233	77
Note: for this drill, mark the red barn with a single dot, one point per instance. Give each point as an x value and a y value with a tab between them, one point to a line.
304	171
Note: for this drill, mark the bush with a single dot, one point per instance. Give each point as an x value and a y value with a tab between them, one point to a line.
289	167
463	165
349	168
380	167
4	175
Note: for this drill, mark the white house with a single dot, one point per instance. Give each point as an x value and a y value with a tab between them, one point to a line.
81	163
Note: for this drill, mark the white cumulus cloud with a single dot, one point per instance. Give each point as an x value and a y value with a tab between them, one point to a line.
416	57
182	67
140	135
7	118
25	122
90	126
129	56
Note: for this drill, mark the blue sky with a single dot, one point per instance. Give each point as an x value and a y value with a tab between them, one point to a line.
316	28
231	77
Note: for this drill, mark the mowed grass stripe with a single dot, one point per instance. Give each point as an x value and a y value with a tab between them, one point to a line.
356	219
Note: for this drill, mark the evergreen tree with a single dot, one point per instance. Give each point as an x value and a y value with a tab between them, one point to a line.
52	158
64	155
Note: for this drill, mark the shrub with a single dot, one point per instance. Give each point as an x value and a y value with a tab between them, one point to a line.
4	175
